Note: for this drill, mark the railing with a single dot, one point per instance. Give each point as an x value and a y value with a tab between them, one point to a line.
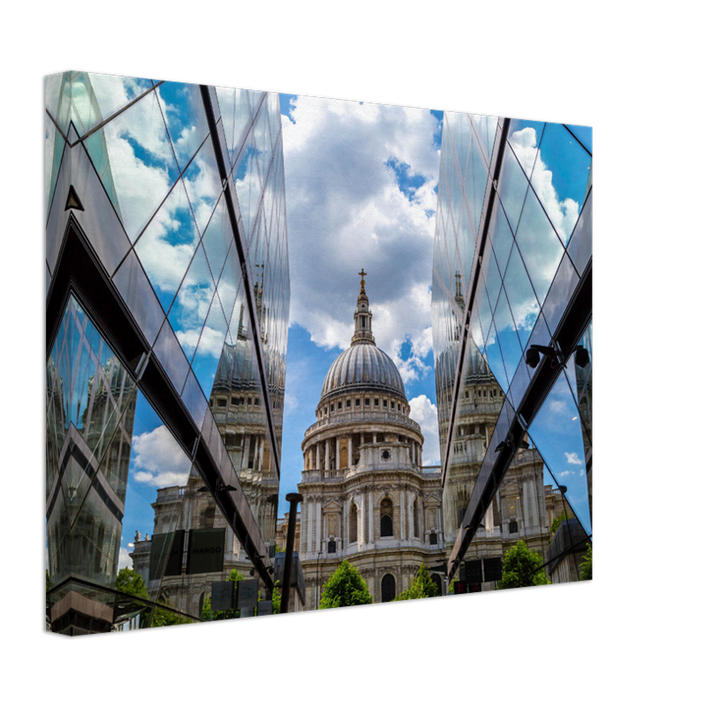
358	417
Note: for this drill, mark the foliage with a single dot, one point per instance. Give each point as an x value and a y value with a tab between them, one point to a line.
130	582
564	515
167	617
276	597
521	568
586	564
421	588
345	588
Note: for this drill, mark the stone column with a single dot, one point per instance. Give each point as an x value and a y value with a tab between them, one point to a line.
327	454
337	452
350	452
317	528
246	451
262	450
403	513
370	511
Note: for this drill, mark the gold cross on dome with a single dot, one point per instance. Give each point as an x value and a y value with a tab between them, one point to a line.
362	274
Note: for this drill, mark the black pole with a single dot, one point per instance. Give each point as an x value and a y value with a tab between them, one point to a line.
294	499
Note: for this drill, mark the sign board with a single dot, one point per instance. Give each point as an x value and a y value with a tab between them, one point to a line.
206	549
473	571
264	608
222	595
247	595
493	569
166	551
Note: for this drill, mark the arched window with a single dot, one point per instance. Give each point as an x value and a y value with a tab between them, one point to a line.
387	587
386	518
353	524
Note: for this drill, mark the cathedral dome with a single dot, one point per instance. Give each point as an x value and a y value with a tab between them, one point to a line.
363	367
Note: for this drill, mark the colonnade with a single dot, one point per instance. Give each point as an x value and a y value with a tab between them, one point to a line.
324	455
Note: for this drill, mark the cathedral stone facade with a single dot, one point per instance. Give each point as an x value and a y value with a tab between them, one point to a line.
366	496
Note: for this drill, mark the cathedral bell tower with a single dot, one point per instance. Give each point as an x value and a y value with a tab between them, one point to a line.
363	317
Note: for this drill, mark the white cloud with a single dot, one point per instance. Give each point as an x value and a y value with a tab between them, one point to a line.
572	458
425	414
157	459
346	212
124	559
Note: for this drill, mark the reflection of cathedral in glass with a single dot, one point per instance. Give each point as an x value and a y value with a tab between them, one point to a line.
91	407
522	507
235	402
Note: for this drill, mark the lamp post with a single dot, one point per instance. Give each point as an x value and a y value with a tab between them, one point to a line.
294	499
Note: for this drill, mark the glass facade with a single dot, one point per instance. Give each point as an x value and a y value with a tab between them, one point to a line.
512	335
167	292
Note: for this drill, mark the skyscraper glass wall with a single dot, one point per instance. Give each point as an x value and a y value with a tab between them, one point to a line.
512	334
167	314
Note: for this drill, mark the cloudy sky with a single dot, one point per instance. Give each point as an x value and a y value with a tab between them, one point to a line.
360	184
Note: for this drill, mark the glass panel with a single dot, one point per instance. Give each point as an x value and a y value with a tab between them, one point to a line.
501	237
167	245
539	246
142	162
557	432
479	404
485	126
524	136
135	289
564	284
508	338
560	177
521	298
183	112
513	187
580	246
114	92
583	378
210	344
203	184
192	303
218	239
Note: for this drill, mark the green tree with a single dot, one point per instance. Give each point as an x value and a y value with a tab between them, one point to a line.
564	515
130	582
276	597
421	588
586	564
521	568
345	588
